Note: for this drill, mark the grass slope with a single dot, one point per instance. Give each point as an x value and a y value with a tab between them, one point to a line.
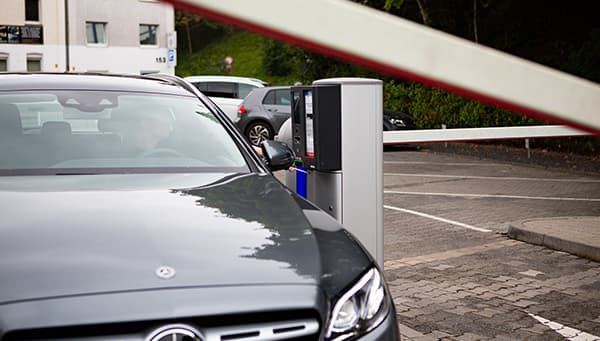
247	50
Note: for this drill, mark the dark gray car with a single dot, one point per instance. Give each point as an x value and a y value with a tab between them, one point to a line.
262	112
132	209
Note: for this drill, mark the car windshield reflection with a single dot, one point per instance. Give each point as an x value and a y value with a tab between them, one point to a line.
92	132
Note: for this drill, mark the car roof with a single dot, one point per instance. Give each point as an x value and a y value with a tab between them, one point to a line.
268	88
275	87
263	90
257	94
235	79
86	81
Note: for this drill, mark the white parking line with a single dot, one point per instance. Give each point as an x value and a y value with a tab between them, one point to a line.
490	177
568	332
467	195
452	222
444	163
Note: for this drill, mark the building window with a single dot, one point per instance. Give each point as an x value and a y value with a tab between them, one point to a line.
148	34
95	32
3	62
32	10
34	62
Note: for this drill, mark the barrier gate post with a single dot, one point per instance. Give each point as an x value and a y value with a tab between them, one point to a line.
337	132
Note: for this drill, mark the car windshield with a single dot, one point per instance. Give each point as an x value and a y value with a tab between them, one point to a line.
94	132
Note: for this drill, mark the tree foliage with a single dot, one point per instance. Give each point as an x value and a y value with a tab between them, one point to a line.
196	31
563	36
280	58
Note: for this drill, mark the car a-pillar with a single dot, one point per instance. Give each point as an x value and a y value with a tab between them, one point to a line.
336	129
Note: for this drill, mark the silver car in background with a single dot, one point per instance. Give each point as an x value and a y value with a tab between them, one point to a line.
226	91
262	112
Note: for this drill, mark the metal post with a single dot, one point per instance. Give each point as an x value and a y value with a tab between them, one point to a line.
67	61
445	143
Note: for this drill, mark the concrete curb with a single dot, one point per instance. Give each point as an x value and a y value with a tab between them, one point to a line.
534	232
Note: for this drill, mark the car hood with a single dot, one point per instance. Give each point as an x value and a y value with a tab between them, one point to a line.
77	235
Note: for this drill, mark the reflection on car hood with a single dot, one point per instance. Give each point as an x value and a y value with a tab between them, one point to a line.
91	234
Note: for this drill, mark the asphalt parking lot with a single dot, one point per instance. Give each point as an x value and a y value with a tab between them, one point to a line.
453	272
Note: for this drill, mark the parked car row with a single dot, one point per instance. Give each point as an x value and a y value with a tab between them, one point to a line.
262	113
259	110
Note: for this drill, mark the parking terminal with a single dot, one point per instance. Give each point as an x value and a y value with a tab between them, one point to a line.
337	133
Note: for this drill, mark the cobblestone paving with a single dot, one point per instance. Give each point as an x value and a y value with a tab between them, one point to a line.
452	283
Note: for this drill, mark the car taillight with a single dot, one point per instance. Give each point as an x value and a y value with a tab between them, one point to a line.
241	110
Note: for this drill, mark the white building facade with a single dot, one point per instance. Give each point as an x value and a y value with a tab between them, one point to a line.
121	36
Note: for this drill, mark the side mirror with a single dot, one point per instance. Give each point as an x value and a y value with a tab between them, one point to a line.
277	155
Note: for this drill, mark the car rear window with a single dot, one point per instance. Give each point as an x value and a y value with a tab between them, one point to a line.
221	89
283	97
103	132
244	90
278	97
269	97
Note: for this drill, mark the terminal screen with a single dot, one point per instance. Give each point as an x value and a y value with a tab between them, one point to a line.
308	110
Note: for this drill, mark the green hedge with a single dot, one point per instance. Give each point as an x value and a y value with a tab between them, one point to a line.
430	108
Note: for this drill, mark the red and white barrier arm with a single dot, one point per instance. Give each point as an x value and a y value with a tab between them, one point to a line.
396	46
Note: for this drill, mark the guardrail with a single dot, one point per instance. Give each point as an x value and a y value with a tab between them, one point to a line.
471	134
474	134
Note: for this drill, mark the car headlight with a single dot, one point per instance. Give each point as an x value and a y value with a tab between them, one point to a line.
397	122
360	309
